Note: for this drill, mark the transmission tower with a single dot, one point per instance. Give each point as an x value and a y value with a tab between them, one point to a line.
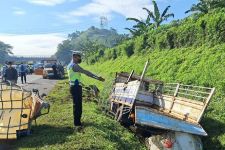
103	22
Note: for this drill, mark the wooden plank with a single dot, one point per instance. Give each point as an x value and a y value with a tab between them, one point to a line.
181	109
186	111
184	100
181	101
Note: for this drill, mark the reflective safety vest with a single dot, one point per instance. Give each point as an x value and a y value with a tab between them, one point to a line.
74	77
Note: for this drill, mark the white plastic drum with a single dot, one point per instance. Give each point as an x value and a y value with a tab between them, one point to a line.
174	141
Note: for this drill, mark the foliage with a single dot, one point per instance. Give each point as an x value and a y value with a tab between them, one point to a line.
139	44
55	131
156	16
143	26
190	51
63	51
5	49
208	30
89	42
203	66
204	6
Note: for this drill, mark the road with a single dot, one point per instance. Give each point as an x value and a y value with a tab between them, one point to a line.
36	82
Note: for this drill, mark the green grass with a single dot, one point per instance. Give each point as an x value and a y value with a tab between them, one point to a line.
204	66
198	66
55	130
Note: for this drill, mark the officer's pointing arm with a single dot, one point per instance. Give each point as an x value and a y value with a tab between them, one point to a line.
77	68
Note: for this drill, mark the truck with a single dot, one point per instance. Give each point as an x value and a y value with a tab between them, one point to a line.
155	106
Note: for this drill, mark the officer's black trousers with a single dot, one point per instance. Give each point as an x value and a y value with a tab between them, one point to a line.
76	92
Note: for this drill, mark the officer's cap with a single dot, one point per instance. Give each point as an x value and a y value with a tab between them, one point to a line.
77	53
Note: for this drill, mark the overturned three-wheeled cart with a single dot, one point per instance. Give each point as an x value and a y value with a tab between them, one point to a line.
172	108
18	108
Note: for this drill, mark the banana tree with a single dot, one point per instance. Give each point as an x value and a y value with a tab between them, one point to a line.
156	16
204	6
141	27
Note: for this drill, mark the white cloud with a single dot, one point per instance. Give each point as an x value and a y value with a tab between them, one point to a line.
49	2
68	19
127	8
18	11
30	45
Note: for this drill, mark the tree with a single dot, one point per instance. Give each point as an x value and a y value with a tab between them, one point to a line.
74	35
143	26
204	6
156	16
5	50
89	42
64	53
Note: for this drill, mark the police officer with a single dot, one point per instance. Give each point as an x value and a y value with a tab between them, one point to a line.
74	73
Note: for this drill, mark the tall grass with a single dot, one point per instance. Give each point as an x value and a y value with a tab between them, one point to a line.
204	66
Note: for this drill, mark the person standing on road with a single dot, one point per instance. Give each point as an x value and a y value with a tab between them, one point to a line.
54	68
74	73
11	74
23	73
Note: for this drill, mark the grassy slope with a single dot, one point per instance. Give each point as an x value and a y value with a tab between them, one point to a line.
199	66
55	130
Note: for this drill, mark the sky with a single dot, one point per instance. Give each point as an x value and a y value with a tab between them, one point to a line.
36	27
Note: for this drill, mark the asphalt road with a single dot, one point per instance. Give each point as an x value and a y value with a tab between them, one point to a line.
37	82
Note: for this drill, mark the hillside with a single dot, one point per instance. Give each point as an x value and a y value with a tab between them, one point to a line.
109	38
88	41
196	58
197	66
